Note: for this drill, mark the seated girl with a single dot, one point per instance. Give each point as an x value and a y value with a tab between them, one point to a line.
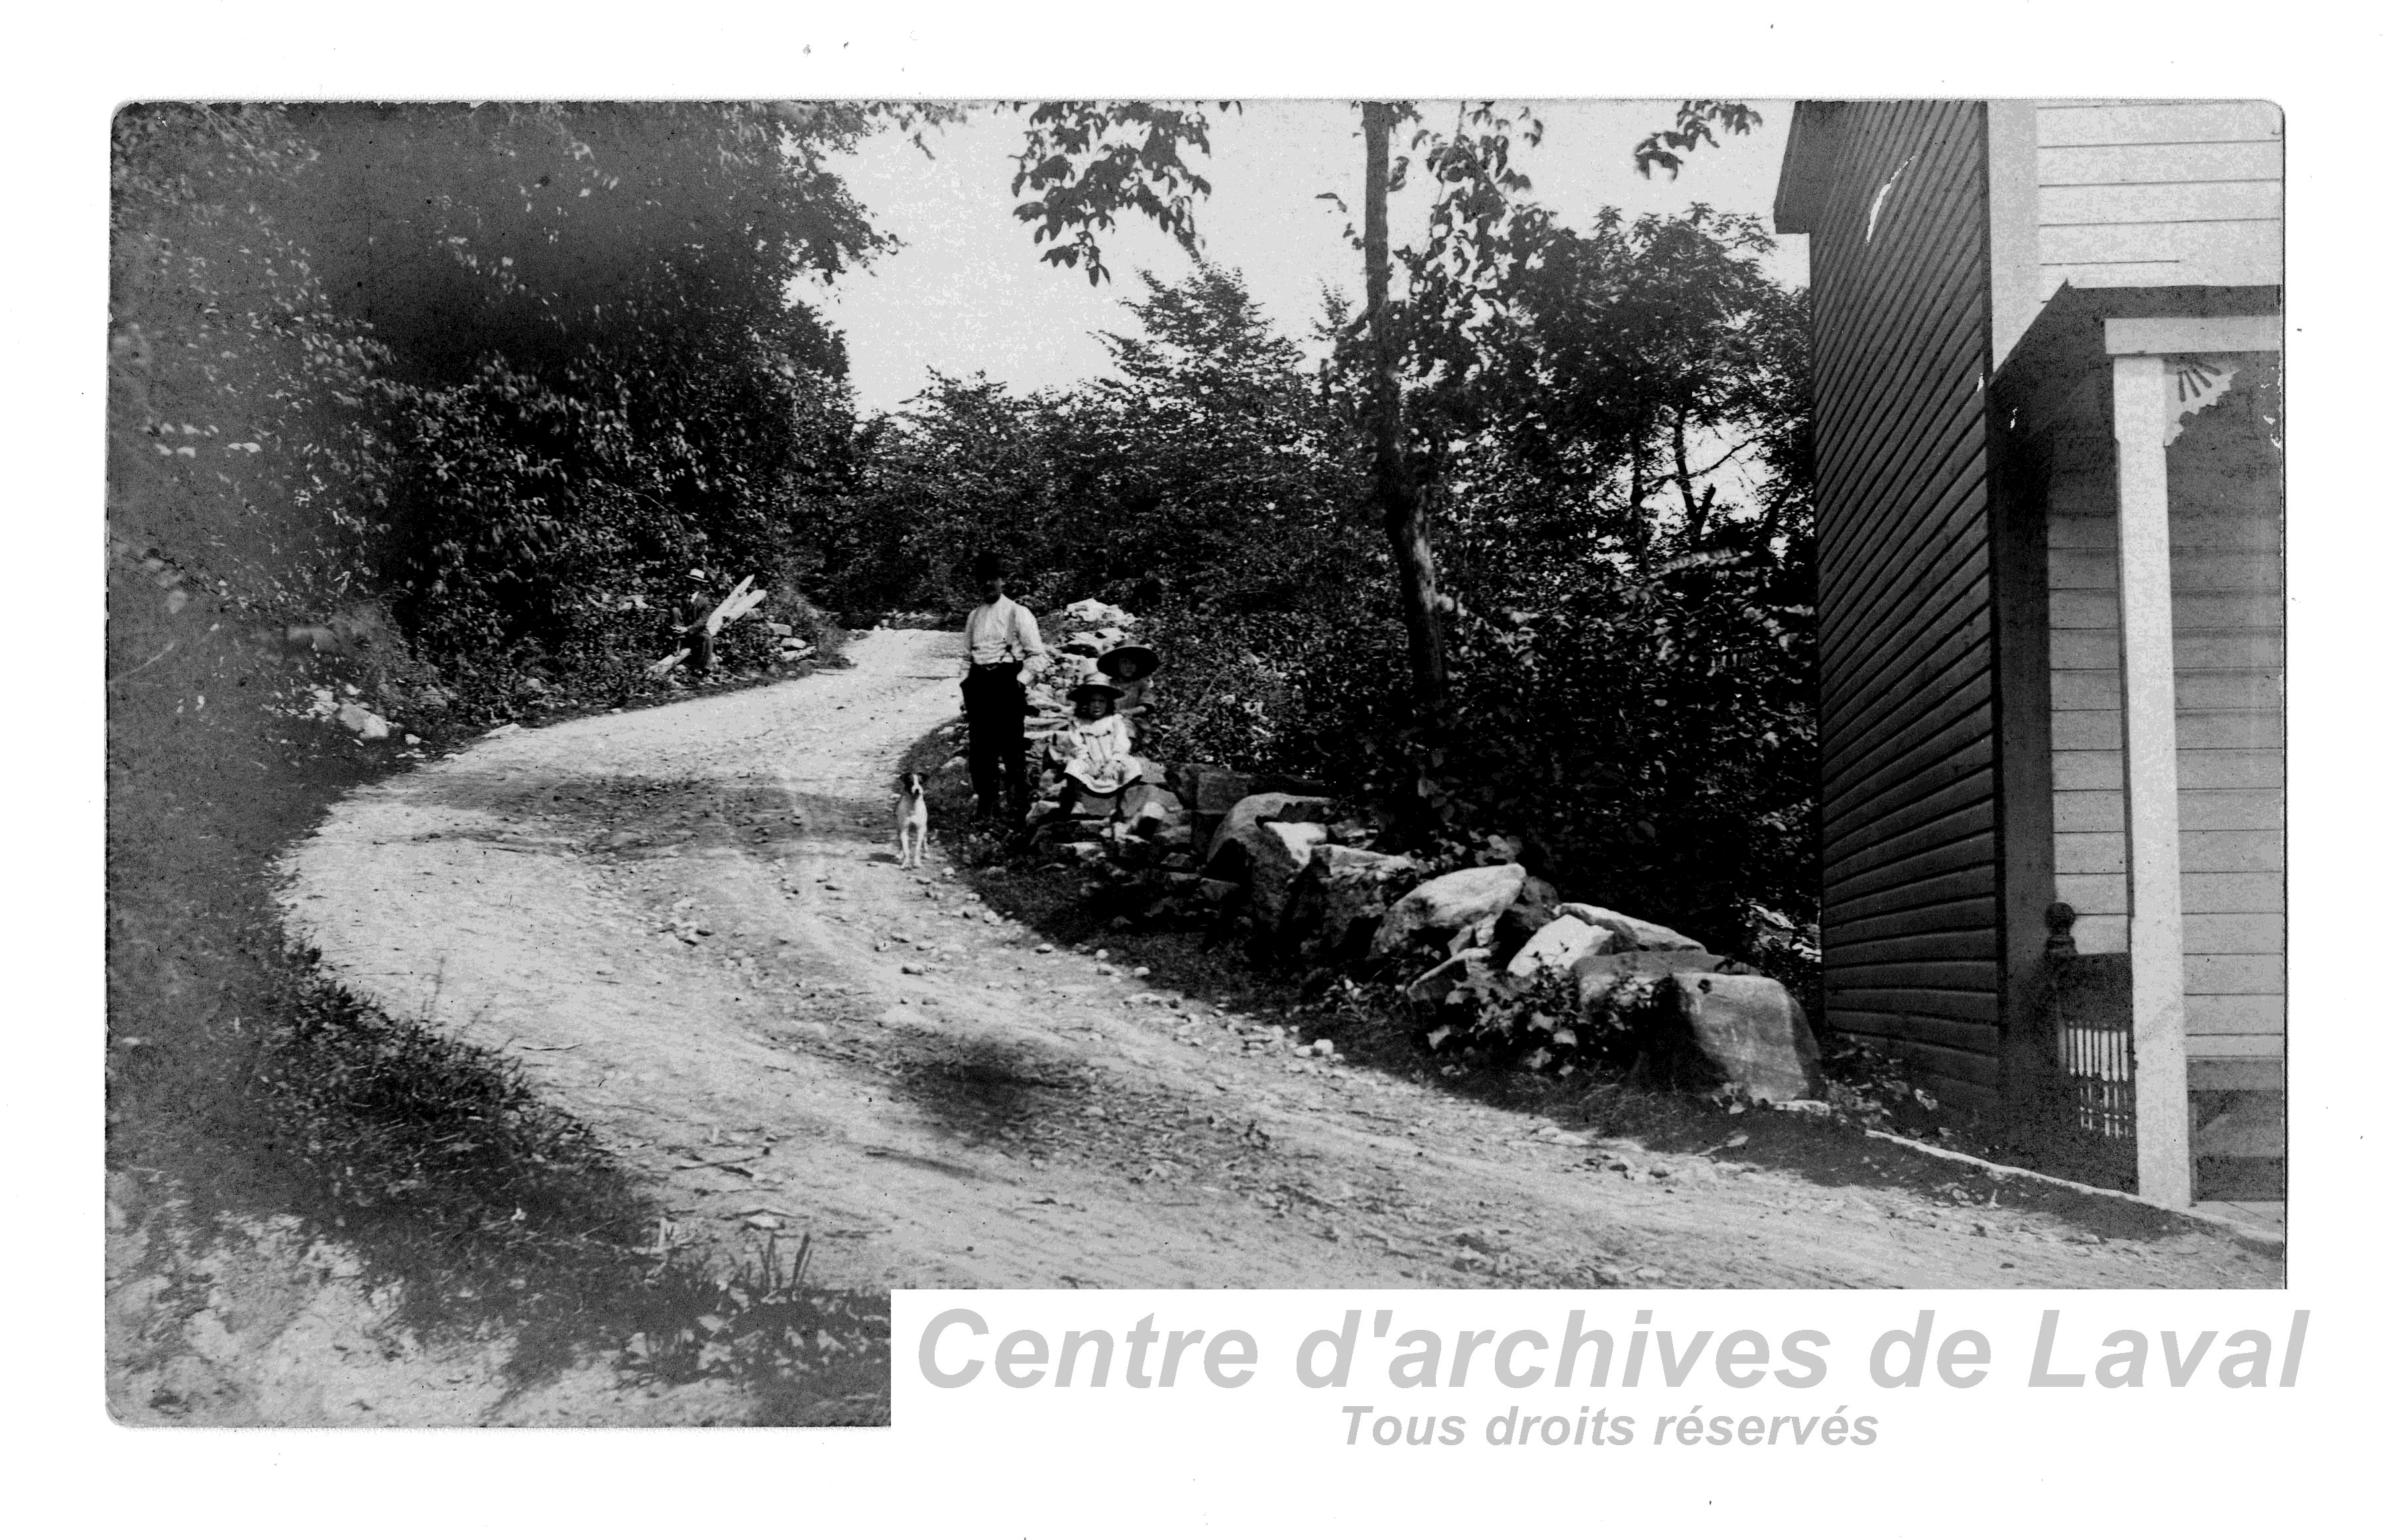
1097	751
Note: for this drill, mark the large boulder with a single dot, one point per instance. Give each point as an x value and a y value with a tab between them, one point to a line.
1535	906
1632	934
1259	848
1740	1032
1558	946
1333	907
1471	899
1210	791
1599	973
1244	816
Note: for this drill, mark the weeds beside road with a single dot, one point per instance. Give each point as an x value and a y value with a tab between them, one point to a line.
291	1168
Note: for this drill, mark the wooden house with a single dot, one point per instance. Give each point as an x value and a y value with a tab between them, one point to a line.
2048	445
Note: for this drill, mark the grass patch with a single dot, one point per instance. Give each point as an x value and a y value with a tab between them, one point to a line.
811	1357
445	1170
392	1114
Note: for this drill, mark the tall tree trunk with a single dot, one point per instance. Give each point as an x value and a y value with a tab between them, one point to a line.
1396	496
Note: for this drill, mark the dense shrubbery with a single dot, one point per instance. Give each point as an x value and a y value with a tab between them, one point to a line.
1211	473
1622	482
474	371
419	418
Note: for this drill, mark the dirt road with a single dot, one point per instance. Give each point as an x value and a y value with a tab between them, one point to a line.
688	922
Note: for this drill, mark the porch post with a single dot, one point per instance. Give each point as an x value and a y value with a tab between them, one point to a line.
2155	924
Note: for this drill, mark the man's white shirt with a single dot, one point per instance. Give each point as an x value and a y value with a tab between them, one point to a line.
1002	632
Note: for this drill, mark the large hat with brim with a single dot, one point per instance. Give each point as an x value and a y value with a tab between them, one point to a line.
1094	687
1128	662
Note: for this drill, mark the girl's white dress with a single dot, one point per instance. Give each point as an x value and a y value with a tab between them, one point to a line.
1098	755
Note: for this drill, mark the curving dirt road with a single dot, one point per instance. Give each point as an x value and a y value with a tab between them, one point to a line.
688	922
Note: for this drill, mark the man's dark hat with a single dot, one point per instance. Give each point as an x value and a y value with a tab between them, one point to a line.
987	566
1128	662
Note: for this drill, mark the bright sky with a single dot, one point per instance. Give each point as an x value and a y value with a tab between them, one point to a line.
968	291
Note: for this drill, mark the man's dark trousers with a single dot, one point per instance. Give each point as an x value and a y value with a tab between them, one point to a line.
995	702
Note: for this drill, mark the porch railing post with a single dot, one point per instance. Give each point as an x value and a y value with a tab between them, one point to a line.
2154	927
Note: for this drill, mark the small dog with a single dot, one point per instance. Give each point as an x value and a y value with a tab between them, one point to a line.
908	821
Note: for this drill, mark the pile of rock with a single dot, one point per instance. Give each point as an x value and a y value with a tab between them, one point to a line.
1091	628
1144	837
790	647
1200	845
1705	1021
1307	892
1142	843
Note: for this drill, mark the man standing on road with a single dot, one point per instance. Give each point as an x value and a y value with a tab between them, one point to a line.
1003	651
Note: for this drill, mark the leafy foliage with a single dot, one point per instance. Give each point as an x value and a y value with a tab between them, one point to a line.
1207	476
1087	161
538	232
1697	124
518	376
1613	429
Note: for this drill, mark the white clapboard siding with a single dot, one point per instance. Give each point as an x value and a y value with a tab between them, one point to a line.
2144	194
2166	202
2143	165
2227	607
2216	690
2219	254
2063	123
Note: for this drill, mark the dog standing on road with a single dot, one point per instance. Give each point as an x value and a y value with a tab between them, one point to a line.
908	821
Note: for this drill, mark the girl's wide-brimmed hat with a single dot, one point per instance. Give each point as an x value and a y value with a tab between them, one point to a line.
1128	662
1093	685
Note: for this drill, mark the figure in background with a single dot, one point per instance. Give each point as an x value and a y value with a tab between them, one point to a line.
1130	668
692	622
1004	649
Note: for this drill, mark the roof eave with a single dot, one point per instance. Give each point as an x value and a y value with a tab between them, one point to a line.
1808	156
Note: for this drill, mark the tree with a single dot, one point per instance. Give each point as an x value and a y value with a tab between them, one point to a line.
1210	464
1397	496
1091	161
1088	161
591	333
1226	479
538	232
963	459
1637	623
1697	124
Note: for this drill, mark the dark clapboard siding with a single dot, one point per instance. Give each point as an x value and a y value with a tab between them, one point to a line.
1905	591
